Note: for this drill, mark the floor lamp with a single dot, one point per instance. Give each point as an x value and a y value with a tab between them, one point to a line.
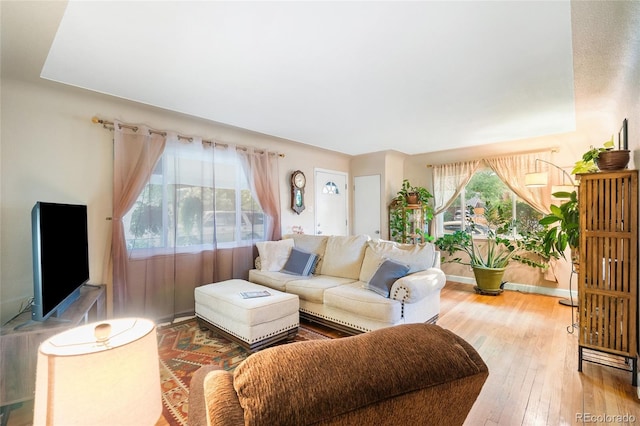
541	179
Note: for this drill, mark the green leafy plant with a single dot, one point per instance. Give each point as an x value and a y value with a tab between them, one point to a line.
499	251
399	216
588	162
562	225
423	196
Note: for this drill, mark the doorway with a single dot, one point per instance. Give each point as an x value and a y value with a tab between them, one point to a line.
331	210
366	206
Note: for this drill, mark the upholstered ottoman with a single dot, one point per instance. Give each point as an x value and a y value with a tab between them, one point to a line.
252	322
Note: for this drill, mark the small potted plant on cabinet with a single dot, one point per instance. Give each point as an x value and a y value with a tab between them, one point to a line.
603	158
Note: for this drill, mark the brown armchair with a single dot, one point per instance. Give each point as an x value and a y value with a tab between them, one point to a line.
406	374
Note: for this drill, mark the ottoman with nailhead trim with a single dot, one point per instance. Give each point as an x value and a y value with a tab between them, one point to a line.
253	323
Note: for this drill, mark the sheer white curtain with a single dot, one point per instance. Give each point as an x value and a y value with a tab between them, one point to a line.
192	223
448	182
512	170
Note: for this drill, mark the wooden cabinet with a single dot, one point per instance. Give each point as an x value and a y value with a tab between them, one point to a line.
608	274
20	339
407	222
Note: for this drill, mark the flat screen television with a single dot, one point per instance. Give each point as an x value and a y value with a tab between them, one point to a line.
60	257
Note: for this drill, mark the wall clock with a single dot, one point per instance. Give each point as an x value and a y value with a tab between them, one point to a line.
298	182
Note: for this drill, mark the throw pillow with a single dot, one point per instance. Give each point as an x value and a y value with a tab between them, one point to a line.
300	263
274	254
343	256
387	273
418	256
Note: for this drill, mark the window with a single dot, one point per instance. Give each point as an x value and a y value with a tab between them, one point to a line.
190	203
484	204
330	188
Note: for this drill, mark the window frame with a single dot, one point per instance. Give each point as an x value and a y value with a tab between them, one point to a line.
158	177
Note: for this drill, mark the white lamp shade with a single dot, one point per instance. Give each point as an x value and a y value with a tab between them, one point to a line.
82	382
536	180
562	188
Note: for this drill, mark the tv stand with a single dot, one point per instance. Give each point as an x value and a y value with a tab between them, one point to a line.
21	337
51	319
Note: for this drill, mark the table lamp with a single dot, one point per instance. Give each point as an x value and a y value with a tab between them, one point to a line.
103	373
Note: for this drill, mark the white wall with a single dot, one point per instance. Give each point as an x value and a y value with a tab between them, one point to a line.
51	151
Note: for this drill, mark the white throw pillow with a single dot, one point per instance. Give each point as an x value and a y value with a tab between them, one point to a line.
274	254
343	256
418	256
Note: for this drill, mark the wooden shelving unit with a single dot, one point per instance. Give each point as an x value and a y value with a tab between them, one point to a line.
412	219
608	275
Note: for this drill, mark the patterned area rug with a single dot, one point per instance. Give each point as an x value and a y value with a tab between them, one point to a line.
183	348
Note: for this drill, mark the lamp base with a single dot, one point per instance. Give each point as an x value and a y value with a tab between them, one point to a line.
567	302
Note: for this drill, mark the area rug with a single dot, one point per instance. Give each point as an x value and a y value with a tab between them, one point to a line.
183	348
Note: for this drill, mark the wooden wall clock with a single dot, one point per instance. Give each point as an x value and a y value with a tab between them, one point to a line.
298	182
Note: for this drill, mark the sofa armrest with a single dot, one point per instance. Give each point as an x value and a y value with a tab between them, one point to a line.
418	285
212	398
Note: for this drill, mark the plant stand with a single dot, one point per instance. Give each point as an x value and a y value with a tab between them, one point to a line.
486	292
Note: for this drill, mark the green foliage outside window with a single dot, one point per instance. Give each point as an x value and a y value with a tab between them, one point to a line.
489	206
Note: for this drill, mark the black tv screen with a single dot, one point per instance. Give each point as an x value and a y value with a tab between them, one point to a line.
60	256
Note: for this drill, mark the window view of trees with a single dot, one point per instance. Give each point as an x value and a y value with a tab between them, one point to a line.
177	215
486	203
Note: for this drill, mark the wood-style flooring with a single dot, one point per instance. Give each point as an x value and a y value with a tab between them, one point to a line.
533	362
532	359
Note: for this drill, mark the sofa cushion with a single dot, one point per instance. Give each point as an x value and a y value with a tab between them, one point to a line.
418	256
274	254
312	289
387	273
354	298
316	244
343	256
300	262
274	279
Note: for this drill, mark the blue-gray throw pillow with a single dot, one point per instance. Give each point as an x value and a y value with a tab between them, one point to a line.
300	262
384	277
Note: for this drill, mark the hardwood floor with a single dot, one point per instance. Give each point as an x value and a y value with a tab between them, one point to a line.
533	362
532	359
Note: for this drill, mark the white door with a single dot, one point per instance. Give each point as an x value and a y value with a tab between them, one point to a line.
366	201
331	203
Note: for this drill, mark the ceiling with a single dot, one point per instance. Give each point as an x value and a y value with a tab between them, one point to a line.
353	77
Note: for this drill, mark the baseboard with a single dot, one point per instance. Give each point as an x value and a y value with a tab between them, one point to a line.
523	288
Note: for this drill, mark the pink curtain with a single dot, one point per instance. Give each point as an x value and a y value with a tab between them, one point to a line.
185	227
261	169
136	152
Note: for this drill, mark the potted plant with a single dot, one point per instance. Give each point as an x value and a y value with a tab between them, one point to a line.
602	158
400	215
562	227
413	194
489	263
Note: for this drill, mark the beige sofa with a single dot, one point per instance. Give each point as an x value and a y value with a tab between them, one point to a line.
338	292
413	374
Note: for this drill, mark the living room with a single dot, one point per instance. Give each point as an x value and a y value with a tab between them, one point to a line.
51	149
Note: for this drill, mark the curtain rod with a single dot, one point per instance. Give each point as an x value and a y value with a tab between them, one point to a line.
552	150
106	124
